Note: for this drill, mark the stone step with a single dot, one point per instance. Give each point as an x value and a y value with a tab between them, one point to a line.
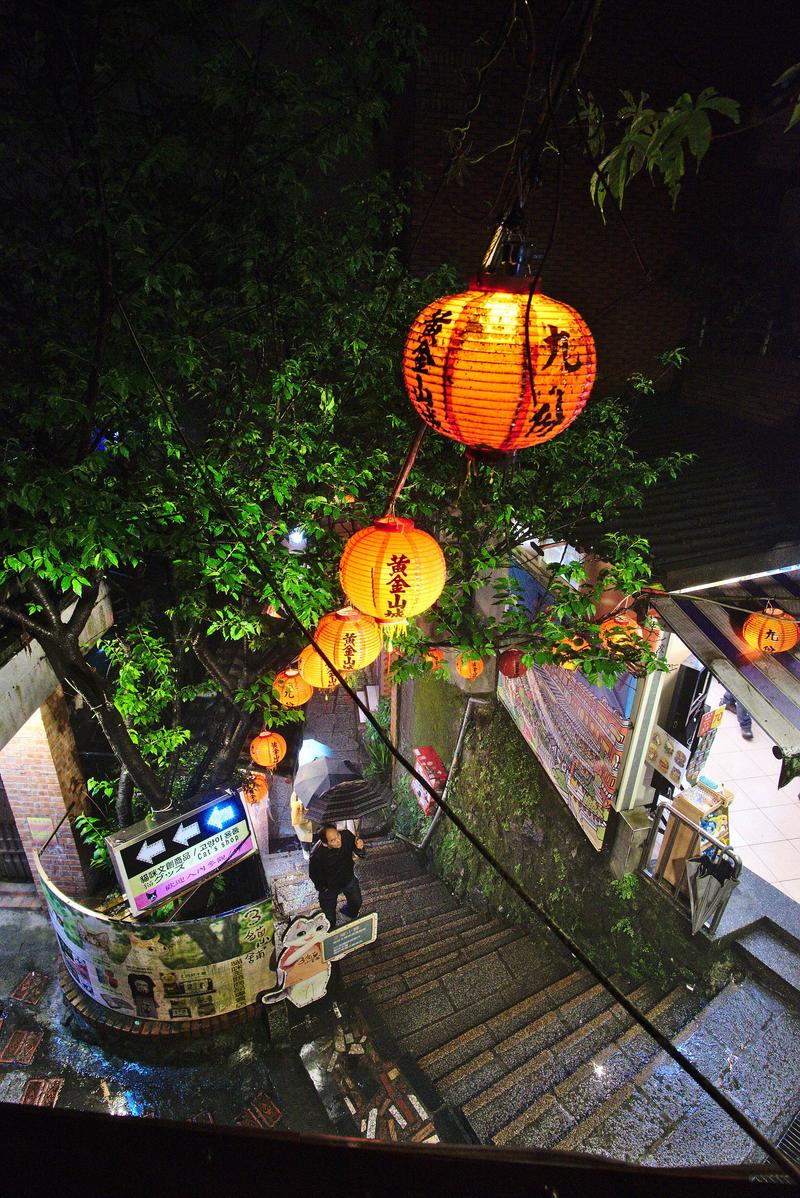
555	1046
447	957
773	958
404	941
414	928
744	1041
386	892
551	1119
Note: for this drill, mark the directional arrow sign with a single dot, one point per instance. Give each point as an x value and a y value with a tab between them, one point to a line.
157	859
148	851
184	835
221	816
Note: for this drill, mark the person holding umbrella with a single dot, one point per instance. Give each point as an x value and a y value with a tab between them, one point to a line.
331	870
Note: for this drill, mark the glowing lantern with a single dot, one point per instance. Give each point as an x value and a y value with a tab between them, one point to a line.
291	689
510	663
350	639
392	570
315	671
771	631
466	368
268	749
577	644
434	658
622	633
256	788
468	669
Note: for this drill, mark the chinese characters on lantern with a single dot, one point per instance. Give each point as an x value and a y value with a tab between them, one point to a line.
422	359
398	584
550	414
349	651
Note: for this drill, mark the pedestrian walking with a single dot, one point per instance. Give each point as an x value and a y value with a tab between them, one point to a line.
741	712
331	870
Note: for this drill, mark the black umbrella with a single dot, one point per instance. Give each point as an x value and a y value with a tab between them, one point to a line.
315	777
349	800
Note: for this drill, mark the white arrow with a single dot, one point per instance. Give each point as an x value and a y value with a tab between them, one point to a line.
184	835
148	851
221	816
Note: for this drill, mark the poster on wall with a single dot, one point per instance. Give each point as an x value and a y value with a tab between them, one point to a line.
578	733
169	971
667	755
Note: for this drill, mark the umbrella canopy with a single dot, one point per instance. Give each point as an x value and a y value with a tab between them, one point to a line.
315	777
311	749
349	800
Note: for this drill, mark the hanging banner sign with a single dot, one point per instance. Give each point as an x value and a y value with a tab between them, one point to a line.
156	860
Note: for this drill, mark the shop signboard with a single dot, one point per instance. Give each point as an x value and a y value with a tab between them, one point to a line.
578	732
193	969
667	755
356	934
157	859
428	763
304	950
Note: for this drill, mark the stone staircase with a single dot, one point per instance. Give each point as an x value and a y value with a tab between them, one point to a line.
531	1051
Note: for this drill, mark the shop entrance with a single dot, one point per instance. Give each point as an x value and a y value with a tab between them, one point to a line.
13	861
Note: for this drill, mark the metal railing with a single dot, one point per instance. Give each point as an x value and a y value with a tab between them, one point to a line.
656	860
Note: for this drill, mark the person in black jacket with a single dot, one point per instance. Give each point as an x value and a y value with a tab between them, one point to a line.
331	870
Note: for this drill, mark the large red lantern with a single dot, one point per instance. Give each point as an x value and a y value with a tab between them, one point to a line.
510	663
268	749
467	373
291	689
771	631
350	639
392	570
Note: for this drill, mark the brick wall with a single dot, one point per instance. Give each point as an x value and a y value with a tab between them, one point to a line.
41	775
634	316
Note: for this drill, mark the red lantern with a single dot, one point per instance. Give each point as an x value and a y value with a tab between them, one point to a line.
468	668
268	749
467	373
510	663
256	788
290	689
771	631
392	570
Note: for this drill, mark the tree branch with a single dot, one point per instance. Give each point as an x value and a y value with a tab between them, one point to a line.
84	607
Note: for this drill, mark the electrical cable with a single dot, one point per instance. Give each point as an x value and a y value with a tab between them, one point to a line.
572	946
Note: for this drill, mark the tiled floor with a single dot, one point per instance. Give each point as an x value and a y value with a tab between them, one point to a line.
765	821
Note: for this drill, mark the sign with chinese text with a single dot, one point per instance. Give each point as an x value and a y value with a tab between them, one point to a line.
429	764
577	735
156	860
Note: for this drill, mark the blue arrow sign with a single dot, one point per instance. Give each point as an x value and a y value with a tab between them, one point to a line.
220	817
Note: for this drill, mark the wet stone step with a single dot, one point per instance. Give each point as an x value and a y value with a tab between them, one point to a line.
420	950
422	1040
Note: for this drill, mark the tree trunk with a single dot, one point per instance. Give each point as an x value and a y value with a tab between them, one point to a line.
231	746
124	799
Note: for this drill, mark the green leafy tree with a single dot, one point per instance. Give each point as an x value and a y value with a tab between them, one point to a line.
202	322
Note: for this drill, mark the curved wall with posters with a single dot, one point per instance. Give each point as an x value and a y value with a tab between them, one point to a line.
194	969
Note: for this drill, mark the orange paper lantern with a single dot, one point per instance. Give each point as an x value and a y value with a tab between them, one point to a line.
268	749
466	368
392	570
577	644
434	658
771	631
350	639
315	671
622	633
468	668
510	663
291	689
256	788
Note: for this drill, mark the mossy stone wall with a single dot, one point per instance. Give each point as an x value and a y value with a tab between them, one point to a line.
504	795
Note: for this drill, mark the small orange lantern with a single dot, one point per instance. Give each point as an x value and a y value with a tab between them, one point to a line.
622	633
771	631
291	689
510	663
434	658
466	369
350	639
268	749
256	788
315	671
467	668
392	570
578	645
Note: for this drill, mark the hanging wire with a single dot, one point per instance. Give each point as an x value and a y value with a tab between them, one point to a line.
262	565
